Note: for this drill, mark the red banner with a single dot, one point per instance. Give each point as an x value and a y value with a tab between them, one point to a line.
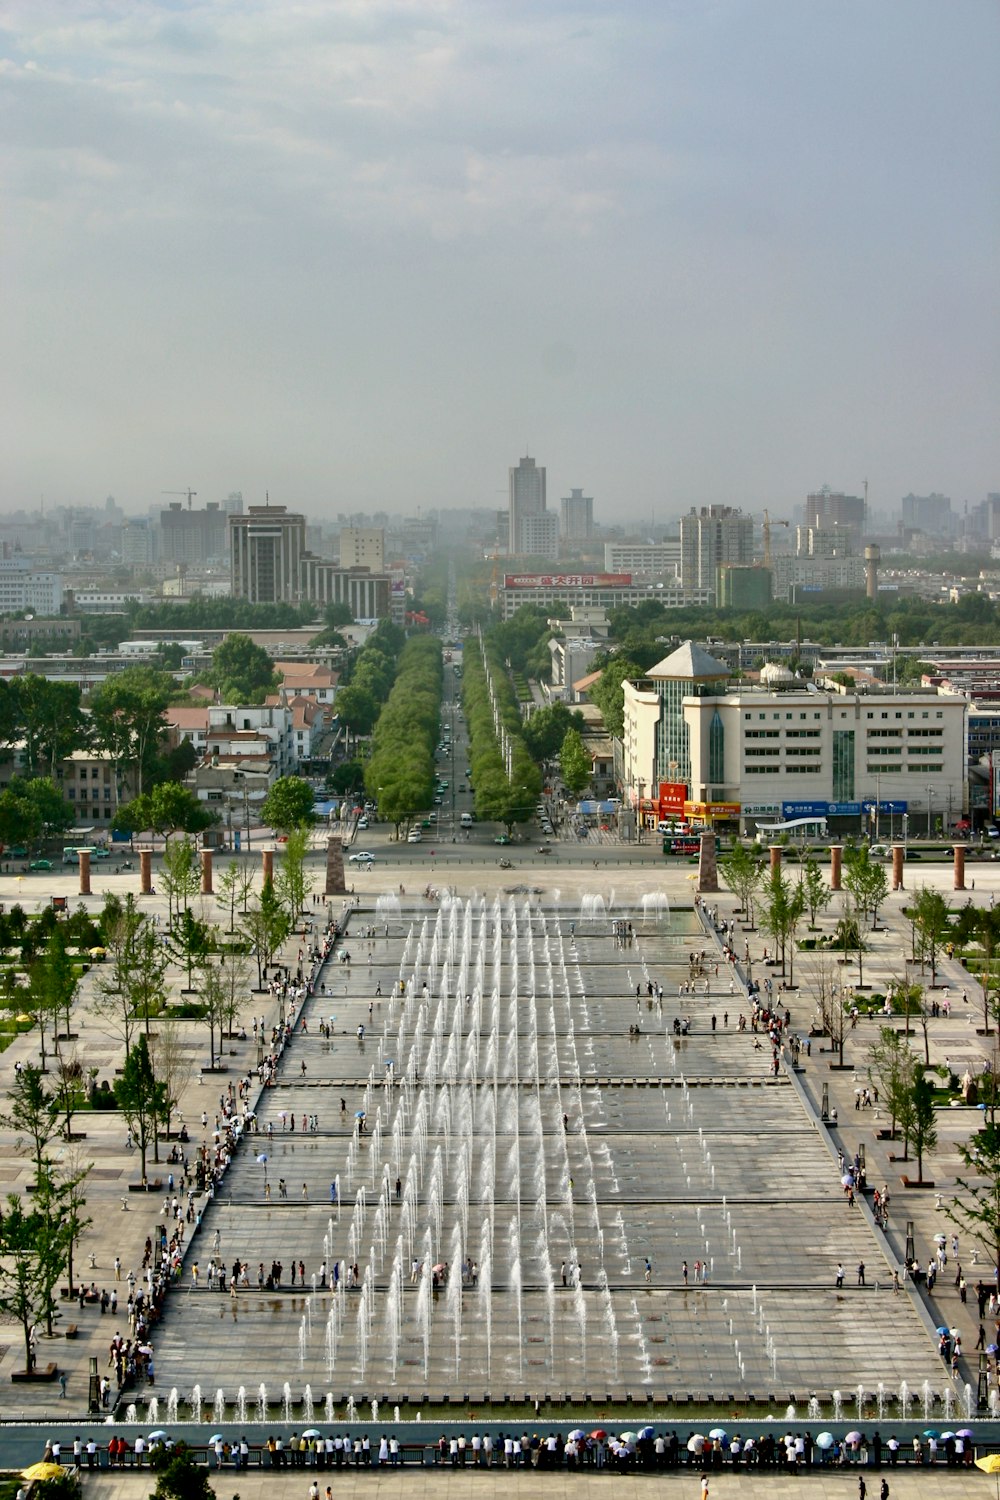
566	580
672	797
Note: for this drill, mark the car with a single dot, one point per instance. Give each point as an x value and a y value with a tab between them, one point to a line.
444	785
362	857
362	822
879	851
468	770
40	864
18	852
503	838
100	852
461	786
414	836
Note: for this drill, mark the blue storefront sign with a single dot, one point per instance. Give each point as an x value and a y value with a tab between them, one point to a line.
844	809
826	809
887	807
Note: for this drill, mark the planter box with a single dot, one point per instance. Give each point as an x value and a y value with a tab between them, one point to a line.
39	1374
909	1183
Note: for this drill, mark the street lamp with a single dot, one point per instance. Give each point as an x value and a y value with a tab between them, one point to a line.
930	798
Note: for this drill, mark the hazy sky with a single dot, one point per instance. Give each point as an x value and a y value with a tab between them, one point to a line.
362	252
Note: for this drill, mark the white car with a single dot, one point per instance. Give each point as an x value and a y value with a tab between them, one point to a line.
363	857
414	836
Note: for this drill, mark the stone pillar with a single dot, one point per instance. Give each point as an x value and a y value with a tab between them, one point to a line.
836	865
85	872
267	861
336	885
775	852
206	873
708	873
959	881
145	872
898	858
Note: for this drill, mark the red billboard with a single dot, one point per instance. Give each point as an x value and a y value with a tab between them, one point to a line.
566	580
673	795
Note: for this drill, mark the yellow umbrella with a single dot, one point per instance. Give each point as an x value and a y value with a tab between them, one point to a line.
24	1019
989	1463
42	1471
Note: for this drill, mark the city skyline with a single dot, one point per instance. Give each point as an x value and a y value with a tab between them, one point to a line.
694	255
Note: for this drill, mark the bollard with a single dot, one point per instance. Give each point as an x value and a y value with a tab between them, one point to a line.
145	872
84	872
836	865
206	873
959	877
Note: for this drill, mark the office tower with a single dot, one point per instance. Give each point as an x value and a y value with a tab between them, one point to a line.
192	536
710	537
266	549
827	510
527	498
576	513
540	535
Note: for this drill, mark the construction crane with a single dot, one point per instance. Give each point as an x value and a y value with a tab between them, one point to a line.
766	531
190	494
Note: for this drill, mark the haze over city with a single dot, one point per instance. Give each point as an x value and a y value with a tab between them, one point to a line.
367	255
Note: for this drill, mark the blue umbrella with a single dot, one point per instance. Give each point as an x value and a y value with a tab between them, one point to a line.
718	1432
931	1432
992	1348
647	1432
944	1328
216	1438
577	1434
824	1440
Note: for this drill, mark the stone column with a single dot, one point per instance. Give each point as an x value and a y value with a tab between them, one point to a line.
336	885
959	881
775	852
898	859
836	865
708	873
145	872
206	872
267	862
85	872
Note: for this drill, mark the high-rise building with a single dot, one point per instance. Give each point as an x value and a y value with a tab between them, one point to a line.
362	547
827	510
527	498
927	513
576	516
138	544
266	549
192	536
540	535
710	537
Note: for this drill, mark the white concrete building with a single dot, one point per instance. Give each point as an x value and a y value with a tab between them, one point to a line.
651	559
778	753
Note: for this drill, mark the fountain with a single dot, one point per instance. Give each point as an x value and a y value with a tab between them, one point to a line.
172	1406
262	1402
352	1409
838	1407
948	1397
789	1413
968	1403
994	1402
329	1406
904	1400
196	1404
859	1396
374	1411
395	1414
131	1414
219	1407
286	1402
241	1405
814	1409
153	1412
308	1411
928	1399
880	1400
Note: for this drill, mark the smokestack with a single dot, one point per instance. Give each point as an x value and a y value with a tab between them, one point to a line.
873	555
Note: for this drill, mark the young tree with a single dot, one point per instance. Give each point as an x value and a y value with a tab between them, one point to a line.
266	926
931	923
229	891
976	1206
132	986
288	805
213	997
831	1008
890	1068
140	1097
981	925
69	1188
815	889
190	940
782	906
31	1113
172	1065
25	1246
179	876
68	1090
924	1128
743	872
865	881
575	765
292	883
54	979
234	971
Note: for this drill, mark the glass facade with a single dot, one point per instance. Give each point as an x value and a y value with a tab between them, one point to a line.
716	749
843	765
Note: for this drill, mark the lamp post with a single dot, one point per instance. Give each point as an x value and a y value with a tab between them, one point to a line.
930	797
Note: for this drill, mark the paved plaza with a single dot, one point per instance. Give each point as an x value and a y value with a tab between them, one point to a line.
517	1012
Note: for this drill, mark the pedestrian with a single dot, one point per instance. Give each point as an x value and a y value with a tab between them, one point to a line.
861	1273
883	1493
704	1487
840	1276
862	1487
649	1269
684	1272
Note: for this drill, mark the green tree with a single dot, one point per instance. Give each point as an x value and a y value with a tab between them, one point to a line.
241	671
609	694
924	1127
288	805
743	871
266	926
190	940
179	877
815	891
890	1068
31	810
976	1204
141	1098
575	764
131	986
51	719
27	1251
357	708
127	714
981	925
168	808
292	883
545	731
179	1476
172	1066
932	923
30	1112
782	906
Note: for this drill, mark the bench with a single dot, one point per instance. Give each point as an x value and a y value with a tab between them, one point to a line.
71	1331
40	1372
